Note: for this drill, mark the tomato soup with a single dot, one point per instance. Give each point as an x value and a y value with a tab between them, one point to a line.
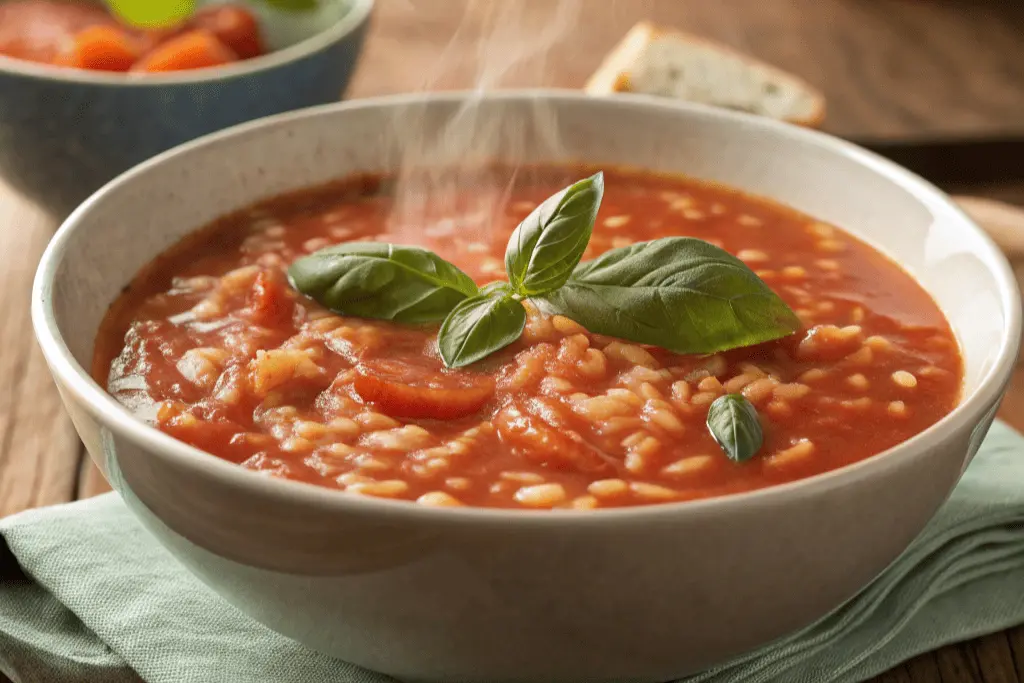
84	35
212	345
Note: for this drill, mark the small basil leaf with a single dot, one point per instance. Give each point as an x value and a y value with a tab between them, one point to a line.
478	327
679	293
550	242
732	420
382	281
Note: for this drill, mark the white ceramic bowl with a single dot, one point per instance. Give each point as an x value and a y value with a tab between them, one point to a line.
646	593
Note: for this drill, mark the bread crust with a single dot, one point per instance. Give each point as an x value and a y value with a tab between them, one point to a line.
613	75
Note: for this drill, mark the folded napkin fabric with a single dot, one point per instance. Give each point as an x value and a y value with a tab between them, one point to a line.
87	596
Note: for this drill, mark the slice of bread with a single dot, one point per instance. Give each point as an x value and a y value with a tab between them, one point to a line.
655	61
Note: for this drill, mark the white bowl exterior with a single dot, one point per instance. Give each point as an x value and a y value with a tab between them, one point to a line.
644	594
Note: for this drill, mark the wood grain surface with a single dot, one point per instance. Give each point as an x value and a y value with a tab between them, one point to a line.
890	68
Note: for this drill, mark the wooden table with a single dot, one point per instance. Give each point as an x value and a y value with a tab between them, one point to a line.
890	68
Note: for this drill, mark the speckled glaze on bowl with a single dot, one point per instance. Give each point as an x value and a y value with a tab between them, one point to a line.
641	594
66	132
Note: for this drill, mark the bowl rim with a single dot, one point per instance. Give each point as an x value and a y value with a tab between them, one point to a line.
357	15
77	381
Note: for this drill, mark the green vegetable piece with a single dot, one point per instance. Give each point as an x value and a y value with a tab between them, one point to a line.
679	293
163	13
550	242
152	13
382	281
733	421
479	326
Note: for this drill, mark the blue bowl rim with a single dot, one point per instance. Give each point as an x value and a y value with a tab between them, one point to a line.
357	15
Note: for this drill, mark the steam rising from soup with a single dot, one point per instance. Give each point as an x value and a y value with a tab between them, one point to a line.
440	185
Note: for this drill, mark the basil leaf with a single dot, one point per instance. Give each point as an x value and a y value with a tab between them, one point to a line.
497	287
733	421
383	281
679	293
550	242
478	327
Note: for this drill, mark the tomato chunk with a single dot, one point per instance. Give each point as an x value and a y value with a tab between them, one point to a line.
152	38
234	26
269	302
100	48
399	389
523	427
197	49
39	30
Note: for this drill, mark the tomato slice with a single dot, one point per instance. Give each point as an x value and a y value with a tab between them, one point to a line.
234	26
197	49
402	389
522	425
39	30
100	48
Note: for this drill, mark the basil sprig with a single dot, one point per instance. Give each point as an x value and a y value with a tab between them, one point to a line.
733	421
678	293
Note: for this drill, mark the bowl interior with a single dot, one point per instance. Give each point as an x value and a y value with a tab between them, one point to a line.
104	243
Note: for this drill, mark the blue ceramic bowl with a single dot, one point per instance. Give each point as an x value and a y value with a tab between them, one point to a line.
64	132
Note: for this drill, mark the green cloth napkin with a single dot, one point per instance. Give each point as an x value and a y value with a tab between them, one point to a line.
98	600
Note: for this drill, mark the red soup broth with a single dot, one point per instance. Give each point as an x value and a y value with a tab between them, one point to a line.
211	345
